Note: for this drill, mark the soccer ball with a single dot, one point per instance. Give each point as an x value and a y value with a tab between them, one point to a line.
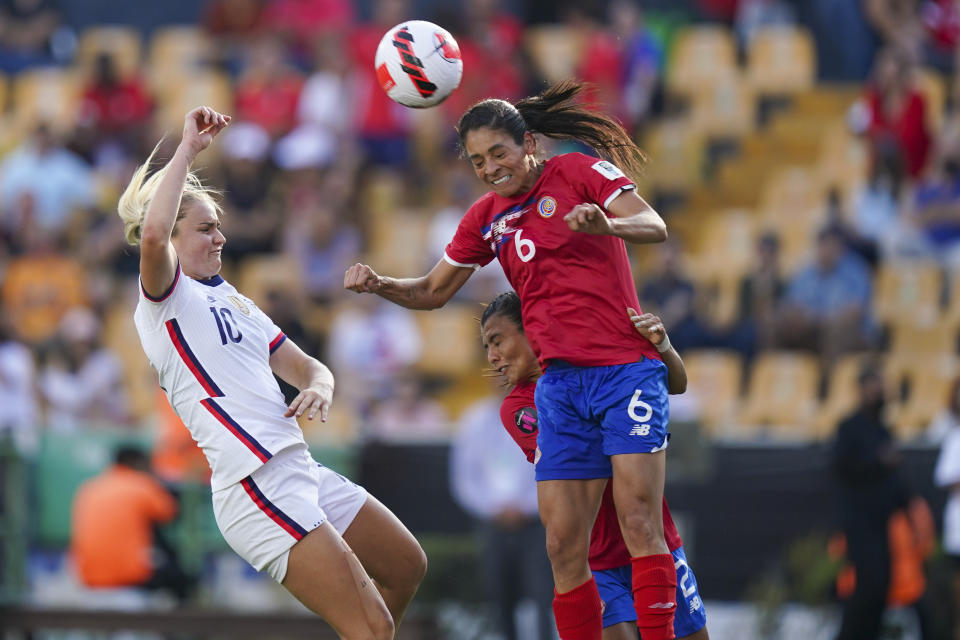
418	64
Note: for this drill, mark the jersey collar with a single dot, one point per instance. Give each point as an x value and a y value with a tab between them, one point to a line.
212	281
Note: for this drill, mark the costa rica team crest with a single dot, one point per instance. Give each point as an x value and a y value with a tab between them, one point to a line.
546	207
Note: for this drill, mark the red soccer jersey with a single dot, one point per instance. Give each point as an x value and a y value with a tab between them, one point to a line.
607	549
574	287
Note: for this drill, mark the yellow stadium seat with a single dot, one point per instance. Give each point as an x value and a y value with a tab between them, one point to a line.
124	44
781	60
258	276
933	87
911	340
844	158
408	229
4	92
139	378
555	50
47	95
907	293
714	380
951	315
701	57
782	394
842	393
826	100
725	243
341	428
676	156
179	49
927	383
723	109
176	95
452	344
736	183
790	190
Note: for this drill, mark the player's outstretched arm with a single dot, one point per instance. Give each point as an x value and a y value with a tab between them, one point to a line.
634	220
309	375
651	328
158	262
431	291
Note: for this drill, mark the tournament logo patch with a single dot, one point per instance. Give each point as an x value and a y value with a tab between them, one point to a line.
547	207
239	304
607	170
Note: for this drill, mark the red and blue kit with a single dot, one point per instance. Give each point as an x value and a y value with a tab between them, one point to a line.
603	391
609	557
574	287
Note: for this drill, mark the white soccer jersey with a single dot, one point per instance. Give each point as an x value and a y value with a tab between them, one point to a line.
211	347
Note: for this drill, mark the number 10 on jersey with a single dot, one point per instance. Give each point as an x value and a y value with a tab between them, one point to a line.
225	325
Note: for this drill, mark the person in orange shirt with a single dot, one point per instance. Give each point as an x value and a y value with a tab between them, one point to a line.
112	536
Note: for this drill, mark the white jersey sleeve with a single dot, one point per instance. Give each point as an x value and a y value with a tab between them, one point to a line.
211	348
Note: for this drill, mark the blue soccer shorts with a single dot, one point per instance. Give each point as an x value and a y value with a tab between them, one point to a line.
587	414
616	591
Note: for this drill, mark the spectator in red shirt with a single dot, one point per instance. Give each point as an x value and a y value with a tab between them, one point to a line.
893	112
113	106
490	40
623	63
300	22
268	91
383	126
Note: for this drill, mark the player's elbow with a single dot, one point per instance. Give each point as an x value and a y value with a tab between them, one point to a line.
659	231
677	387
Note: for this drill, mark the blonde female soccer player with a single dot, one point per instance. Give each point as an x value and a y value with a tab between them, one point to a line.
315	532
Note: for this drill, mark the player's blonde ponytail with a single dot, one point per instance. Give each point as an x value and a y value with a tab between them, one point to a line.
136	198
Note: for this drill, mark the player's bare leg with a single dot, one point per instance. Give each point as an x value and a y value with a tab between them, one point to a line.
389	553
568	509
325	575
638	496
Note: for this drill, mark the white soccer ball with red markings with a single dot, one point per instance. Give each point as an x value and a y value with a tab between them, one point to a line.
418	64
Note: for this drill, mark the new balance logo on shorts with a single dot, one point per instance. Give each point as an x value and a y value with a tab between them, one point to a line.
662	605
640	430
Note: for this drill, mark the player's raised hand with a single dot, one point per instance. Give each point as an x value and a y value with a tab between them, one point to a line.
588	218
200	126
361	279
648	325
315	398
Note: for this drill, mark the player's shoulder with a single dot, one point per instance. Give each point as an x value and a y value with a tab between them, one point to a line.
588	165
520	395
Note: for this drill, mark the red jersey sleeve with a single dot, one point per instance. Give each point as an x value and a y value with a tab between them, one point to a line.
600	181
470	247
518	413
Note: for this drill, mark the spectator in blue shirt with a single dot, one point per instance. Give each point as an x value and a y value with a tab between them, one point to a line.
827	303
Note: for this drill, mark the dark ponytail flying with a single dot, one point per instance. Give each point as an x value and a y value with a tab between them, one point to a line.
555	114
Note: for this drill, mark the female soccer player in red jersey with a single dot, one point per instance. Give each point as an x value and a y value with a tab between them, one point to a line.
509	353
315	532
558	229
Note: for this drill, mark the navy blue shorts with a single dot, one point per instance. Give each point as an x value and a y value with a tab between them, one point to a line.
616	591
587	414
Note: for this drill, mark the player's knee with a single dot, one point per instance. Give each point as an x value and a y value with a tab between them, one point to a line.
380	628
565	547
416	565
640	525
